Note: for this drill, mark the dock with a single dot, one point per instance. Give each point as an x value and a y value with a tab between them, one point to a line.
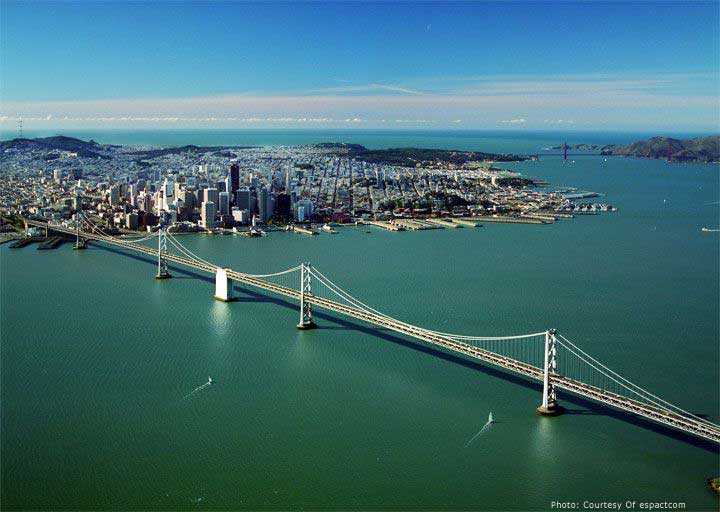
304	231
51	243
414	224
510	220
444	223
548	218
9	237
465	222
385	225
24	242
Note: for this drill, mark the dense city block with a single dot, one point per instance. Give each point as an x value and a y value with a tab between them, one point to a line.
252	189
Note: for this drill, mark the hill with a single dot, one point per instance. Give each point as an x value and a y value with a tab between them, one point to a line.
410	157
87	149
700	149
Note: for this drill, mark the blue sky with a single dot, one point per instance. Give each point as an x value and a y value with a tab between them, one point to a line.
515	65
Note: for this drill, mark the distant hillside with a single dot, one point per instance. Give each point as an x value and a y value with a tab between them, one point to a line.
701	149
410	157
190	148
87	149
91	149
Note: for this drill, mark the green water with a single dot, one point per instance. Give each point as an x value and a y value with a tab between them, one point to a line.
97	357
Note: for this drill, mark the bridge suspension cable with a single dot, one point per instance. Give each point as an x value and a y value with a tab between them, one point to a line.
187	252
274	274
362	306
625	384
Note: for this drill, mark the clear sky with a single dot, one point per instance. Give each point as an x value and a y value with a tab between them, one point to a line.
515	65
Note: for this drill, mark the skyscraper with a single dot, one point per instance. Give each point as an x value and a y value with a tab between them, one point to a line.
263	205
115	195
207	215
224	203
242	199
210	195
234	179
282	206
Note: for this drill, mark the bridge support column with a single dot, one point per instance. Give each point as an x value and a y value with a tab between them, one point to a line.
223	286
162	270
549	406
306	319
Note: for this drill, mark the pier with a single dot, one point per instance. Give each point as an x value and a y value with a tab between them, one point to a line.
510	220
304	231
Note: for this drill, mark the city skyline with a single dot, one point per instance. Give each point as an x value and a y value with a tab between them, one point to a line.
493	65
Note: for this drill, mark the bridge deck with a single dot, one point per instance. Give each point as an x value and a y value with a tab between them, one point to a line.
677	421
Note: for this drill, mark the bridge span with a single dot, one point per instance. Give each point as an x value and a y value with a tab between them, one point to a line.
546	357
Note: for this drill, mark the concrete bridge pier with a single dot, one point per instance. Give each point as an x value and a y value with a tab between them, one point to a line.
549	405
223	285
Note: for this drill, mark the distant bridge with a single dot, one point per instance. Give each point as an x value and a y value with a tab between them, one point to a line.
547	357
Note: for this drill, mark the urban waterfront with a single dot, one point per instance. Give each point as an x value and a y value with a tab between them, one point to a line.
98	357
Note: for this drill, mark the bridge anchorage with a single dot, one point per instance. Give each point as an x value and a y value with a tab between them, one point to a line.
162	269
549	405
306	318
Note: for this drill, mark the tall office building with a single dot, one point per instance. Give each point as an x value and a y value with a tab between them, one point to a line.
207	215
158	202
115	195
234	179
242	199
168	188
282	206
304	210
210	195
189	198
224	203
262	196
144	202
131	220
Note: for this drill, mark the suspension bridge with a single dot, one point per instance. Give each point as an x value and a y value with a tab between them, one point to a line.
547	357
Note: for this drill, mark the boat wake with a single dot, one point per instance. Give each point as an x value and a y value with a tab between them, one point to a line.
198	389
484	429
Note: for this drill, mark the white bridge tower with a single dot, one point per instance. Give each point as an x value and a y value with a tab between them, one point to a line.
306	319
162	270
549	406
